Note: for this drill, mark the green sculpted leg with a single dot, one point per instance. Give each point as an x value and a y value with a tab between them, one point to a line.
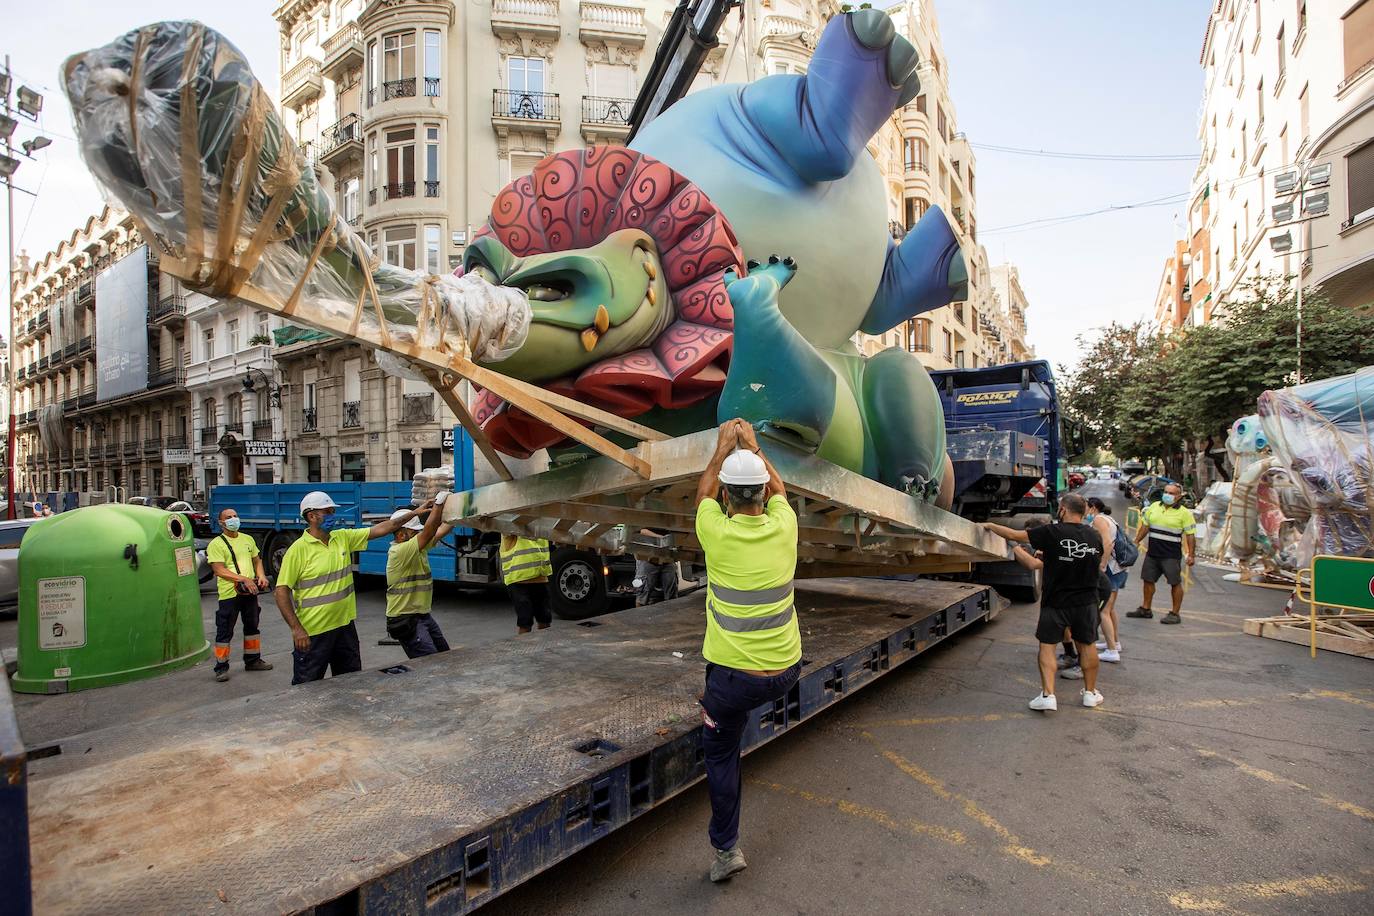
905	423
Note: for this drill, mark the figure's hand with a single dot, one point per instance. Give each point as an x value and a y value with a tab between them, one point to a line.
1191	559
250	585
747	438
300	639
728	438
262	583
424	507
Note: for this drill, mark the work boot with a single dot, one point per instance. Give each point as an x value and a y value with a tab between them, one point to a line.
222	674
1141	612
257	664
1171	617
728	863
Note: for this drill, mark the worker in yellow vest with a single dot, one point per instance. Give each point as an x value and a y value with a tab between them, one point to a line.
410	584
315	588
753	643
525	568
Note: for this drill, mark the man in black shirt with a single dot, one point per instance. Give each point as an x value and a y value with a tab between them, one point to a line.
1072	555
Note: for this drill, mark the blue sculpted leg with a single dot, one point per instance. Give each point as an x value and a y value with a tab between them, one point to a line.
905	422
924	272
861	72
776	380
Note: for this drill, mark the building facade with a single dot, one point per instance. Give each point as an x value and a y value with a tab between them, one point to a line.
1012	305
1288	93
100	368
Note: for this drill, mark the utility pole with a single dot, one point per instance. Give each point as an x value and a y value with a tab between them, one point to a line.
1302	208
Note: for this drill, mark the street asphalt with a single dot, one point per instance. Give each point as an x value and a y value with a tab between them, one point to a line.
1224	774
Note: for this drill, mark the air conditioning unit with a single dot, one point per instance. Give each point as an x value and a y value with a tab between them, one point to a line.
1285	182
1281	244
1316	204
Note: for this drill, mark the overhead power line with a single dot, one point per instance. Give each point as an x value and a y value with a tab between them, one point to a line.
1069	217
1096	157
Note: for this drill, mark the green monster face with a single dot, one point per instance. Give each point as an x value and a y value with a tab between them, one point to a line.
588	305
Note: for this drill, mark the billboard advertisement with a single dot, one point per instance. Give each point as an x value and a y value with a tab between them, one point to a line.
121	327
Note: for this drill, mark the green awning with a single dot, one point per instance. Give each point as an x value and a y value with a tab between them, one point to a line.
292	334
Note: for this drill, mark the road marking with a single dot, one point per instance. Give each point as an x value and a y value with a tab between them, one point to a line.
942	720
1344	696
882	818
1275	779
1206	899
1011	842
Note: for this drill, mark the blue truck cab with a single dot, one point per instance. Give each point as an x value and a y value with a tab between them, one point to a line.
583	583
1009	443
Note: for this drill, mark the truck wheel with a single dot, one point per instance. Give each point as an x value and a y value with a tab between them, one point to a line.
1019	594
578	588
276	549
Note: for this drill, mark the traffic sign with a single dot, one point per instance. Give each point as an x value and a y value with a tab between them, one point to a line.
1343	582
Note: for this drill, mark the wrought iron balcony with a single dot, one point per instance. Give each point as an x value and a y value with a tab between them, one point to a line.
177	441
85	399
431	189
152	446
398	190
432	86
398	89
209	435
352	415
309	420
417	408
604	110
130	448
342	140
173	307
85	344
161	376
525	106
262	429
234	428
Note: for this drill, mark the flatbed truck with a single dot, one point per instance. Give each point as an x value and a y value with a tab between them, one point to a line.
432	786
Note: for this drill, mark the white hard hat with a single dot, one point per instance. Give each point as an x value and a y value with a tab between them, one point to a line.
317	499
742	467
414	524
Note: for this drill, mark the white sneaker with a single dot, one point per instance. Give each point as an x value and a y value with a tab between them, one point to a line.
1044	702
1074	674
1110	655
1091	698
1100	645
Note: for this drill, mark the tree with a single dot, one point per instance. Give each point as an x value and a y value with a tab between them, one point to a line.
1117	361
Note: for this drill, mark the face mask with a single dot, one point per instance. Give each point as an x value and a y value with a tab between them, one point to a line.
1088	519
330	522
1168	499
232	524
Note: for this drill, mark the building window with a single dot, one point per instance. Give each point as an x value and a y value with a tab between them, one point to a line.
1359	182
352	467
374	175
525	80
372	72
431	62
398	65
919	339
1259	103
1302	117
959	360
917	155
350	200
1358	26
949	345
264	323
208	344
943	128
231	335
400	247
312	469
432	249
1283	54
915	209
400	163
263	473
431	160
921	103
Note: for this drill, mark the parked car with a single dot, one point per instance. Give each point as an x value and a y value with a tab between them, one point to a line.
11	534
1076	480
200	519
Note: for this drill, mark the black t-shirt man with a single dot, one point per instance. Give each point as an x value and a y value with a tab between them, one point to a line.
1072	554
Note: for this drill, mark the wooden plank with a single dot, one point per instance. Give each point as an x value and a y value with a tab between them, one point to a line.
449	396
1296	630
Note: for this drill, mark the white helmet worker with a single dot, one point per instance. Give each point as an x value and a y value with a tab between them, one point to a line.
317	499
743	468
414	524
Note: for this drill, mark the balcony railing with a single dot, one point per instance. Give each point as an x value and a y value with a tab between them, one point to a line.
209	435
262	429
85	399
352	415
602	21
160	376
538	18
130	449
605	110
342	51
525	106
398	89
432	86
234	428
42	363
309	420
913	165
346	130
398	190
44	318
69	404
110	449
85	291
152	446
303	81
169	306
177	441
431	189
417	408
85	344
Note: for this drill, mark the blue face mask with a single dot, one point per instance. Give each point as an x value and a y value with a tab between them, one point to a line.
232	524
1168	499
330	522
1088	519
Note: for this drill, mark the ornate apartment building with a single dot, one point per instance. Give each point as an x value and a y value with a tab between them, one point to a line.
100	368
926	160
1285	181
422	110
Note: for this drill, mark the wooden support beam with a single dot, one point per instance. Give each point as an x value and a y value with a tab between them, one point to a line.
449	396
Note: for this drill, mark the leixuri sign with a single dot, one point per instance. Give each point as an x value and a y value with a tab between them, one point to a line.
264	448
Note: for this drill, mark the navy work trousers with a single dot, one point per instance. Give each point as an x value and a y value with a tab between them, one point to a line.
729	698
418	634
226	617
335	649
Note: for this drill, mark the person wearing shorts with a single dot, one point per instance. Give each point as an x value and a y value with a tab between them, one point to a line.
1071	554
1100	517
1170	527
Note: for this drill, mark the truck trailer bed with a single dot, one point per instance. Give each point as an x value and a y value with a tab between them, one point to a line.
436	785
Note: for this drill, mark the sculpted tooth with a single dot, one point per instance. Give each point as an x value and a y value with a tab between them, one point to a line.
651	295
603	320
589	338
651	270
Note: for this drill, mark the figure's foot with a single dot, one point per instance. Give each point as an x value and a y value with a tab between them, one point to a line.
728	863
1141	613
222	674
1171	617
874	30
1044	702
778	270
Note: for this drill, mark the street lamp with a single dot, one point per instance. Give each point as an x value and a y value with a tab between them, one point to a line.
273	389
1294	184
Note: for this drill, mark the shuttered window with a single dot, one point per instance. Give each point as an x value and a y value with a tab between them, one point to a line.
1358	25
1359	180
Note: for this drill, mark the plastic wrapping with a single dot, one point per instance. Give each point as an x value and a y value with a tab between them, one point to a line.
1322	433
430	482
177	130
1212	512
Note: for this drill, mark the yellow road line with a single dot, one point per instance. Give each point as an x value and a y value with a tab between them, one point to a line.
1275	779
1210	899
1344	696
877	816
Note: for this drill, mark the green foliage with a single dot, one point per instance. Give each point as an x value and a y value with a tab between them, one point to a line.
1144	393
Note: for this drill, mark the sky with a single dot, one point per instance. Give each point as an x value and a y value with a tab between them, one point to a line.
1078	77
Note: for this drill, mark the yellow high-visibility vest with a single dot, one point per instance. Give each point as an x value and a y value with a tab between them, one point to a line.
527	558
751	621
320	577
409	582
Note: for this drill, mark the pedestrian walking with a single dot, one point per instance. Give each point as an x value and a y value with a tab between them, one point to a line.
315	589
752	645
525	569
1170	527
410	583
239	577
1100	517
1071	552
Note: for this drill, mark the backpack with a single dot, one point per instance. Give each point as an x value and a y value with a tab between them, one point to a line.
1124	550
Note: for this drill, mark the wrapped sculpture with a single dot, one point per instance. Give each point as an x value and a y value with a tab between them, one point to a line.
1322	433
718	268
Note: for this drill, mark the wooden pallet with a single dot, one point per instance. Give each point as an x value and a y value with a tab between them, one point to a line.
848	525
1349	634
